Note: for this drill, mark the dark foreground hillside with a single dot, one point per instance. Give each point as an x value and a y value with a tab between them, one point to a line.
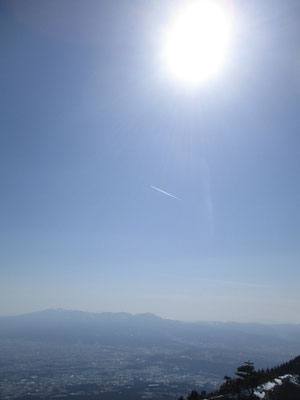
278	383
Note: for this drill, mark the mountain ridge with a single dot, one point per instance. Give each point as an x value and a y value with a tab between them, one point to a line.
72	326
60	310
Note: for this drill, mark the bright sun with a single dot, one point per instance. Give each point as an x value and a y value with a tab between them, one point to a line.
197	41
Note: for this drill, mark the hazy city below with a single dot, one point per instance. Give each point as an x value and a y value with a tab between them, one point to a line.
61	353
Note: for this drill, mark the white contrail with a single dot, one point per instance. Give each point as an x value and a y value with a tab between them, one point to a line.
162	191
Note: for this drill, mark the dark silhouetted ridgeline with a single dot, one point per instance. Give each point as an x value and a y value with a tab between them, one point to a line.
278	383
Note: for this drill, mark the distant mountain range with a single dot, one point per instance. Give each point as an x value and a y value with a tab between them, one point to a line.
85	352
68	326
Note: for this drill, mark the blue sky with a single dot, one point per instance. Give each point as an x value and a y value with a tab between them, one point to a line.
91	119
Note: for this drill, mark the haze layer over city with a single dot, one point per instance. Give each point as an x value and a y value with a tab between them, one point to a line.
135	181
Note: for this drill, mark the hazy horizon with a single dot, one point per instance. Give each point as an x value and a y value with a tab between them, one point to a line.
124	188
245	321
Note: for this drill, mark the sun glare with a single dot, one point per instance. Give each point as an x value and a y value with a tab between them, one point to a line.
197	40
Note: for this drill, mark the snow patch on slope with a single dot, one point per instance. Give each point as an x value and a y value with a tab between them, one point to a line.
260	391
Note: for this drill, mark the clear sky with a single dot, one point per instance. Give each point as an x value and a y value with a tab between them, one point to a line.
92	122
